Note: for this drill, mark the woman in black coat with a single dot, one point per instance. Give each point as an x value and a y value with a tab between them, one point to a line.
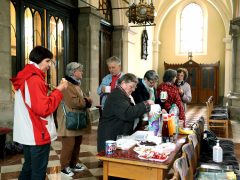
146	91
120	111
146	87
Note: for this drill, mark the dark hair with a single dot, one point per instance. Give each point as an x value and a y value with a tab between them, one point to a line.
39	53
169	75
185	72
128	77
151	75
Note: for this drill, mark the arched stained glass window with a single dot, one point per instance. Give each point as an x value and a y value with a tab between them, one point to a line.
57	48
53	48
42	26
13	43
13	29
33	30
192	29
28	28
60	54
37	29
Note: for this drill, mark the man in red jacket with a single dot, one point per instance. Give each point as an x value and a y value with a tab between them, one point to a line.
33	113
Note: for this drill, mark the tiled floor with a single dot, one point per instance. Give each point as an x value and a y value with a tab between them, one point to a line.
11	165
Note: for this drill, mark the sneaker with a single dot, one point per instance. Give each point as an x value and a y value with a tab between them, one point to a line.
78	167
67	171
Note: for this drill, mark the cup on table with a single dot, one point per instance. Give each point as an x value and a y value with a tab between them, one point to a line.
107	89
120	137
110	147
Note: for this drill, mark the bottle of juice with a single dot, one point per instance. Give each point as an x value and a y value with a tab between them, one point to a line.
165	131
171	127
175	111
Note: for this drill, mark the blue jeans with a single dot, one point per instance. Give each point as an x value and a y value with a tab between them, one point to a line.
36	160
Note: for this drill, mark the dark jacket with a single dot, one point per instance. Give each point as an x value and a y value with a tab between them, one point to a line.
118	117
141	93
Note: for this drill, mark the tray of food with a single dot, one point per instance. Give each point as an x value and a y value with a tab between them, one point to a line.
146	143
154	156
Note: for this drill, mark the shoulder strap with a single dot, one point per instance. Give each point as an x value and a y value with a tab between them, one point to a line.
64	108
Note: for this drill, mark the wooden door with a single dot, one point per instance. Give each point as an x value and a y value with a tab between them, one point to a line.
203	79
208	83
193	80
105	49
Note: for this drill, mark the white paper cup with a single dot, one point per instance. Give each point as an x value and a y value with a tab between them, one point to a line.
107	89
163	95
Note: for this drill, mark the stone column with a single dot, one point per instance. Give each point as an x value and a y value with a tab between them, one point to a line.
228	66
237	65
235	32
120	45
6	108
156	44
234	96
88	49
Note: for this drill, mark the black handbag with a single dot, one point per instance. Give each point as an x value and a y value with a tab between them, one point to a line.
75	120
209	140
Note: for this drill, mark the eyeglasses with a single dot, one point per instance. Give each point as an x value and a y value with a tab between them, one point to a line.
152	82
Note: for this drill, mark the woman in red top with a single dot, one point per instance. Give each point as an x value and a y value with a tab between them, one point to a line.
173	96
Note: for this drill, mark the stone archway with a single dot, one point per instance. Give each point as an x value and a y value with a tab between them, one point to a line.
224	10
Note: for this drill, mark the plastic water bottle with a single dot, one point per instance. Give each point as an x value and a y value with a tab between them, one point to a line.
217	153
174	110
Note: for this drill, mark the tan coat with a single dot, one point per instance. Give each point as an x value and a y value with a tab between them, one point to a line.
73	98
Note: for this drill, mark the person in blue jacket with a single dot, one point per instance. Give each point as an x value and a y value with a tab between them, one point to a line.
114	67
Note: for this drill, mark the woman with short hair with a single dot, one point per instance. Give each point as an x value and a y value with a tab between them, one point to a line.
183	86
74	100
146	90
120	111
146	87
173	96
33	112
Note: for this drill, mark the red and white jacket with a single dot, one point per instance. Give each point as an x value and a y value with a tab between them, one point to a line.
33	108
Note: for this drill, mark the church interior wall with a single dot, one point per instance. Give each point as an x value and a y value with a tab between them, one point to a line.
215	47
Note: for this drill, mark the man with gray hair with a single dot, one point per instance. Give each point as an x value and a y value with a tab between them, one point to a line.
109	82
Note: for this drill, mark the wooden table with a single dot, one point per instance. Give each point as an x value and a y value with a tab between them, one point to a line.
126	164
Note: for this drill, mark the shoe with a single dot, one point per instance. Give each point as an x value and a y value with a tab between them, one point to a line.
78	167
67	171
